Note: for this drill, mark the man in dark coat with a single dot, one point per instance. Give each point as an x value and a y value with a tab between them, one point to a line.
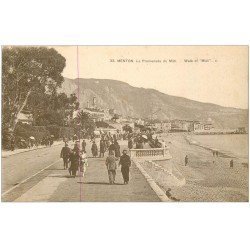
125	163
111	147
75	160
65	153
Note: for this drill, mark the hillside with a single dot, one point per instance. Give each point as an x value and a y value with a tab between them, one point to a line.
141	102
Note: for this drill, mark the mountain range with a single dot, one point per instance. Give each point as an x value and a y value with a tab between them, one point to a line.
150	103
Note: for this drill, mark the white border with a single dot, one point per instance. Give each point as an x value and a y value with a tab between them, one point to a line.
130	225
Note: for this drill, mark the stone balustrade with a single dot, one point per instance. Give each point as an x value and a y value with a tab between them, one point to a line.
150	153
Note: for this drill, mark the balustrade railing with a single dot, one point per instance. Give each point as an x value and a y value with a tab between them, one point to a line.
149	152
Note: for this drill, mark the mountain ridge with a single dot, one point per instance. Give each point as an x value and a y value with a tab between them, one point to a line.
142	102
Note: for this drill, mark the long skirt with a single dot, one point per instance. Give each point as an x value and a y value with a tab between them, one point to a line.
73	169
94	153
111	174
125	173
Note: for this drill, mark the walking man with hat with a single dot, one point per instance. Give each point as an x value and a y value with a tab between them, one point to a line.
125	163
65	154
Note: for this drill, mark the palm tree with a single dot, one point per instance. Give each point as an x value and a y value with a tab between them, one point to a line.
85	121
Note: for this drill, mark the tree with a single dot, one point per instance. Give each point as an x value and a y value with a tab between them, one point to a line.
55	109
85	122
127	128
26	71
102	124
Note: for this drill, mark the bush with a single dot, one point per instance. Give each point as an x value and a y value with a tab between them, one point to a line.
25	131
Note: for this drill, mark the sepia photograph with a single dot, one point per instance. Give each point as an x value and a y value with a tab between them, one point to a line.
125	124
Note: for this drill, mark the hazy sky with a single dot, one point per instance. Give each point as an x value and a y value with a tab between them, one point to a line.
223	79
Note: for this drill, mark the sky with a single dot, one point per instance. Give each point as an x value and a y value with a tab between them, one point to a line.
214	74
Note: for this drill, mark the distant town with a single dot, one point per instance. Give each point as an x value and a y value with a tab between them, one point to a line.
117	122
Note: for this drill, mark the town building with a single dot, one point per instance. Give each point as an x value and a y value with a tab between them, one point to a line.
201	126
95	113
180	126
162	126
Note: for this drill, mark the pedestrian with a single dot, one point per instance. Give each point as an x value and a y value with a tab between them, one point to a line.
186	160
130	143
75	160
84	144
94	149
111	147
117	149
107	143
102	148
65	154
231	163
111	167
83	165
125	163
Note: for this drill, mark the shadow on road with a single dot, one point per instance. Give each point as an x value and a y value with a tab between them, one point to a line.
61	176
100	183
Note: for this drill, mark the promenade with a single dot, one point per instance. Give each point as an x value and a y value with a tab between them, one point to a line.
52	183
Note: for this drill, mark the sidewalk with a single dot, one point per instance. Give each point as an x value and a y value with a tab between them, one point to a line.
95	185
57	186
22	150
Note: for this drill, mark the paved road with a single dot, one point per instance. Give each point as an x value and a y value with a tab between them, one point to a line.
18	167
54	183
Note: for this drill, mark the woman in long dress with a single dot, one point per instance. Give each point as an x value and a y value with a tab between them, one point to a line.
94	149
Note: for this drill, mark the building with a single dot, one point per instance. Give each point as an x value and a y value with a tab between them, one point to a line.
180	126
201	126
95	113
208	126
241	130
163	126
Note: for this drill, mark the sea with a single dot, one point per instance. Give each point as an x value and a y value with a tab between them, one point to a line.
231	144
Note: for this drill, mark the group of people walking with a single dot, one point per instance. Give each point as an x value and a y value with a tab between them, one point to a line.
107	144
75	160
111	163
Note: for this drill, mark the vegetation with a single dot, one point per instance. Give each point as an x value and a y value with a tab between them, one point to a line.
127	128
102	124
31	77
84	123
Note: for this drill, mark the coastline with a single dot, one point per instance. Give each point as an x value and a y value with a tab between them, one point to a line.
221	152
207	178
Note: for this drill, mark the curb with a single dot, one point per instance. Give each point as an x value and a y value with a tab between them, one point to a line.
6	156
181	180
159	192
